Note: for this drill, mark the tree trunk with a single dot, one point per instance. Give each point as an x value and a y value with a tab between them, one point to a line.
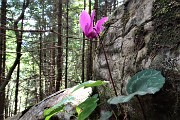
2	56
52	66
17	90
67	29
52	74
89	55
40	69
60	49
7	102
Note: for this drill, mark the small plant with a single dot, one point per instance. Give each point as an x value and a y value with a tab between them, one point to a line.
87	107
91	31
84	109
144	82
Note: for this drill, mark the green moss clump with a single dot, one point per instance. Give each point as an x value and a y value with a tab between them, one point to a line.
166	24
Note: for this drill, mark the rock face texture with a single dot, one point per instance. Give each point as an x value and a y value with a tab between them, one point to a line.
144	34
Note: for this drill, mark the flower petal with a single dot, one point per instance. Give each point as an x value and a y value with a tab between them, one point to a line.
86	30
84	20
92	34
92	15
91	24
99	24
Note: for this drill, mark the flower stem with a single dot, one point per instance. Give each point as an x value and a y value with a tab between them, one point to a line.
111	79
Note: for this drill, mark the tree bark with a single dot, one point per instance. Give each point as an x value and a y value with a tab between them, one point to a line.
40	69
2	56
89	55
19	41
17	90
67	28
60	50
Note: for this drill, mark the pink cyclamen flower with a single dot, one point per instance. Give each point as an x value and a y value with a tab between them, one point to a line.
86	23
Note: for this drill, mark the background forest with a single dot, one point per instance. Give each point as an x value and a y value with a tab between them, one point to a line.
43	50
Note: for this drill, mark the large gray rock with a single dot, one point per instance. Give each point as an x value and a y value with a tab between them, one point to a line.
143	34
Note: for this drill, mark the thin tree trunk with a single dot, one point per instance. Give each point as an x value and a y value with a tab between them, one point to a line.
89	56
2	56
60	50
40	68
4	64
66	67
27	95
17	89
53	66
19	41
52	62
10	103
19	109
7	102
36	94
53	52
42	55
96	9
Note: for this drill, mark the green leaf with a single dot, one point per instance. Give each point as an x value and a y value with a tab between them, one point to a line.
53	112
90	84
86	108
144	82
78	110
106	115
149	81
120	99
57	108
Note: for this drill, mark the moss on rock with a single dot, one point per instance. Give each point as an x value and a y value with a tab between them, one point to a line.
166	27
